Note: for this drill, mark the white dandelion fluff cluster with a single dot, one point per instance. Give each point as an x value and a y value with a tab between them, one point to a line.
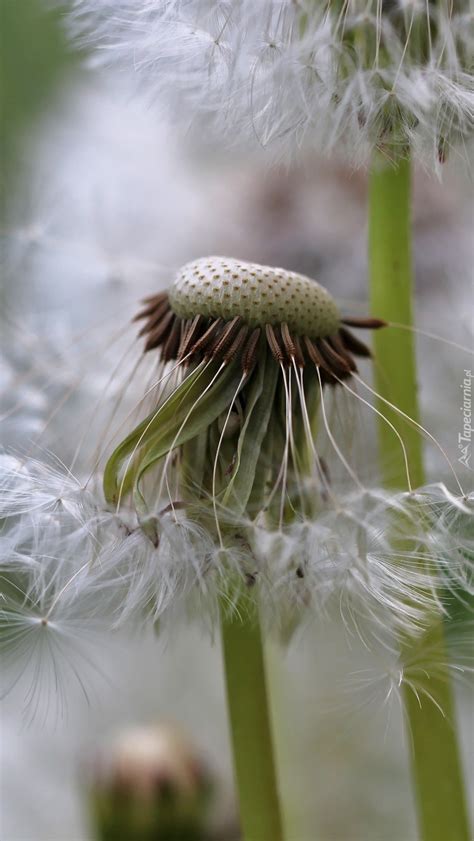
360	73
385	562
73	571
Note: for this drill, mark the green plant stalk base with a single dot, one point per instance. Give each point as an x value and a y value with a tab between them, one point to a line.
435	760
434	750
250	727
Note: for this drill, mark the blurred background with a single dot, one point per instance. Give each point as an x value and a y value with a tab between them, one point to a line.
102	200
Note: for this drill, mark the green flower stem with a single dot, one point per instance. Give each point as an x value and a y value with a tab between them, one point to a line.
250	726
435	758
391	291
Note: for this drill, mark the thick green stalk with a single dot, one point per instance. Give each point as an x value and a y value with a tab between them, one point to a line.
250	727
435	757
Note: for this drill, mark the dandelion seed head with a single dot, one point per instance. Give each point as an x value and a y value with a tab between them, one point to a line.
360	76
231	446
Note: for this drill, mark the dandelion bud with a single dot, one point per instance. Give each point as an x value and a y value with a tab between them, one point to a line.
151	786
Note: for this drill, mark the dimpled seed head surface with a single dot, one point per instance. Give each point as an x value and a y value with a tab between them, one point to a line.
220	287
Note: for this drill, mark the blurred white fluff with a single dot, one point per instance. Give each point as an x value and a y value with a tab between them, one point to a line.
73	570
69	544
107	211
284	73
381	686
78	257
347	559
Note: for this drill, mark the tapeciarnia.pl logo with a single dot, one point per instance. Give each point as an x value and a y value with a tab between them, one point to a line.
465	437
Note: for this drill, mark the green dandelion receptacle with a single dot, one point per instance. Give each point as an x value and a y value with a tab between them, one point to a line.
215	303
221	288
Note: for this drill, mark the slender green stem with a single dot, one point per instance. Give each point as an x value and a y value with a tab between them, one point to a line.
251	727
391	291
435	758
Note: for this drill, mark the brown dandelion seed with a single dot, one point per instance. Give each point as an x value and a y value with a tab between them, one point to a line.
236	345
364	323
208	336
161	332
353	344
155	317
192	334
222	342
171	345
337	345
274	345
336	364
288	342
249	355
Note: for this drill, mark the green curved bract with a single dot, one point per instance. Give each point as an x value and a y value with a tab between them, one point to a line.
189	409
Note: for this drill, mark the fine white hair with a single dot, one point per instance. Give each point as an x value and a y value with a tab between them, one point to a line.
287	74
